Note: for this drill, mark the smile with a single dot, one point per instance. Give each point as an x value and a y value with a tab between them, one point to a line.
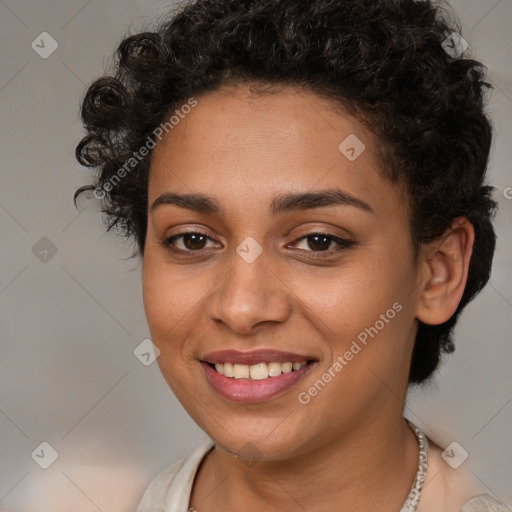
256	376
258	371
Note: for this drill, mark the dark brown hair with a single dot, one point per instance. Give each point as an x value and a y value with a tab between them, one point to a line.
383	60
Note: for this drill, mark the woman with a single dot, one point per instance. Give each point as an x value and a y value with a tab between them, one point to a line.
306	185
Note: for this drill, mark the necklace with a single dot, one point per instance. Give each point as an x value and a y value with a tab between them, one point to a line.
411	503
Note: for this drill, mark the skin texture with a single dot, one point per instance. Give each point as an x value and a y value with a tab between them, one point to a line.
350	444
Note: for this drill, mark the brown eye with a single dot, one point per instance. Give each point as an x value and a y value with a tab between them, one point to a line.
194	241
187	242
319	242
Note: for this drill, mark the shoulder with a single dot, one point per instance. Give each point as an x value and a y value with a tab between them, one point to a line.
484	503
170	489
450	489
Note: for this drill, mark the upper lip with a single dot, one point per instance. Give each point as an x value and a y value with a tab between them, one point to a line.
254	357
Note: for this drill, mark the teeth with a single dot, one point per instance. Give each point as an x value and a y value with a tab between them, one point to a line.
286	367
274	369
241	371
228	369
258	371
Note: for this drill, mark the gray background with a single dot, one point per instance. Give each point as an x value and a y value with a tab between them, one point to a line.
69	325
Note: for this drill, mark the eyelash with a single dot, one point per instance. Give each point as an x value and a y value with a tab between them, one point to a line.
343	244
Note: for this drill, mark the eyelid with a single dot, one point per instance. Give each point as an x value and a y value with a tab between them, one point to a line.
187	229
167	241
342	244
321	229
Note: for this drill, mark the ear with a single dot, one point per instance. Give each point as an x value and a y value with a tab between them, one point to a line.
444	265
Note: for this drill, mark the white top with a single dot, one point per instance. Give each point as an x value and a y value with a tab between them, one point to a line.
170	490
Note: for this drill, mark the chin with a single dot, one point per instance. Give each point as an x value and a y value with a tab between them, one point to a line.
253	443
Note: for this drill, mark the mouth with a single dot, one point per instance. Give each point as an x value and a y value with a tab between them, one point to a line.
259	371
254	376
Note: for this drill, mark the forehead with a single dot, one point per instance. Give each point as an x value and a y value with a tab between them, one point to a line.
238	144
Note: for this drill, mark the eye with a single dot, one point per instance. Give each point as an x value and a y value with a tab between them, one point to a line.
190	241
322	243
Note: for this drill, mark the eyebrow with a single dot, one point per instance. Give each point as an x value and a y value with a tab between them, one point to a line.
282	203
305	201
195	202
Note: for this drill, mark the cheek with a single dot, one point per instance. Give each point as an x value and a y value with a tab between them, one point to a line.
169	302
170	294
365	314
351	297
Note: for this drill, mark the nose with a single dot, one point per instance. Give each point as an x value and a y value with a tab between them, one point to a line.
249	296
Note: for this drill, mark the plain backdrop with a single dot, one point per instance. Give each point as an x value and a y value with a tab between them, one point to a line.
71	312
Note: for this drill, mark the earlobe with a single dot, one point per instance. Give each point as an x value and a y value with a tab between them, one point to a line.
444	269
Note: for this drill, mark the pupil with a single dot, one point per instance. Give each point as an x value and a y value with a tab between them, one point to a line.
324	245
191	241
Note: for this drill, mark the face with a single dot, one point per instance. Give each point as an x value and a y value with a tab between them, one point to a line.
267	243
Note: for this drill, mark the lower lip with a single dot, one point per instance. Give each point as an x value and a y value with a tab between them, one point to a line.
251	391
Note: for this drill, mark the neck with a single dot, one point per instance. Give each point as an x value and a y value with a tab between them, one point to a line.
373	468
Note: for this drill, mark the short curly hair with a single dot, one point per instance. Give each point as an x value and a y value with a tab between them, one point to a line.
384	61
